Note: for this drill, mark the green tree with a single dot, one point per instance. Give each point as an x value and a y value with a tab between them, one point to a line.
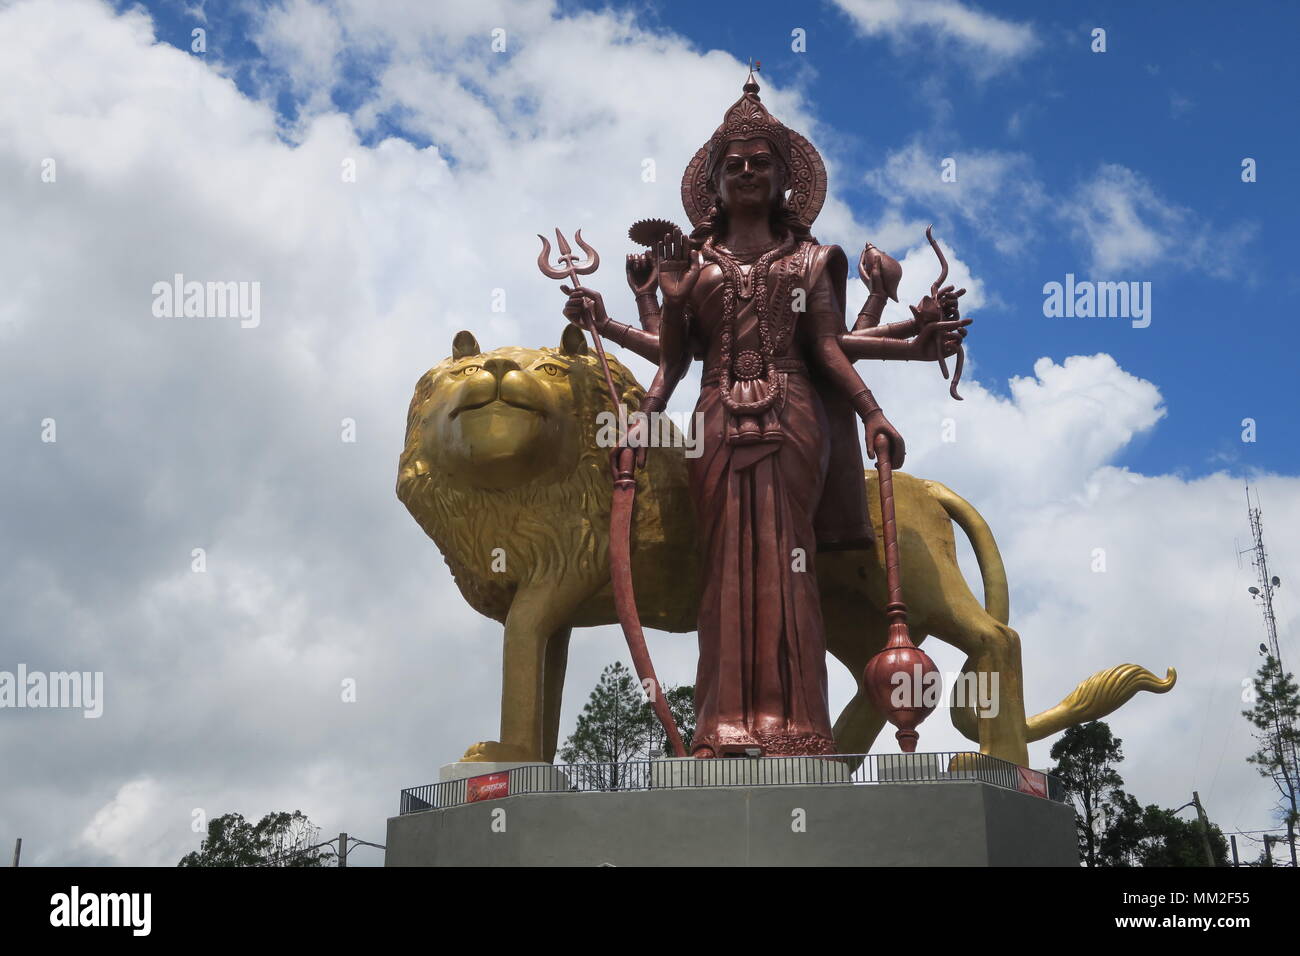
1153	836
681	703
1276	716
278	839
618	726
1122	832
1171	840
1085	757
611	730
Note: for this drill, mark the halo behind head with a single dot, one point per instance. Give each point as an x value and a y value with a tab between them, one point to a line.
805	173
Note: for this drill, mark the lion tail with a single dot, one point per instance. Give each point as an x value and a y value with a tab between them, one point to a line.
1099	695
997	597
1094	698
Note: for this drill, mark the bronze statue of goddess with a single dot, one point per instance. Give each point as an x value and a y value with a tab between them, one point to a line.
754	295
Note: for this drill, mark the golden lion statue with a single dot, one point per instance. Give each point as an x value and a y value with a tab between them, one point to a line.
502	469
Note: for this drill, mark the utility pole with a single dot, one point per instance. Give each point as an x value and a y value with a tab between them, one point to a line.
343	849
1263	594
1205	828
18	850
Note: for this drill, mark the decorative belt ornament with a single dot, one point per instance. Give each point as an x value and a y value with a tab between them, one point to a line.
748	365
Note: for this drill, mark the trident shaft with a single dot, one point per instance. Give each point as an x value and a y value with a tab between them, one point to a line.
620	512
570	268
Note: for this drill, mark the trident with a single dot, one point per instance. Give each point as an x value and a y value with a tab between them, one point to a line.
569	268
620	512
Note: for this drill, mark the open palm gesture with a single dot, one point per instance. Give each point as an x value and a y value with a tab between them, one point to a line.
679	267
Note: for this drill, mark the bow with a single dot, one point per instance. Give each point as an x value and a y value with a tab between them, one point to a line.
934	295
624	497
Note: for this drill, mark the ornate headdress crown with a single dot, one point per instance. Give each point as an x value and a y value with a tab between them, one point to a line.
746	119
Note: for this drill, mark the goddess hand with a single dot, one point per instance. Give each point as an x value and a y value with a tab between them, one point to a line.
679	267
877	425
949	335
642	273
580	300
880	271
948	303
943	307
634	447
869	270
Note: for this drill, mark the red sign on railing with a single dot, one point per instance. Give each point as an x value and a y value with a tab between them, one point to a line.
489	786
1031	782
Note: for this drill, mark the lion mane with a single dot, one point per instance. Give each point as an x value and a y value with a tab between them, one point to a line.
545	528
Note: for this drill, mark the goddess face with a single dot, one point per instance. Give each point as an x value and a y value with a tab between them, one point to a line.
749	176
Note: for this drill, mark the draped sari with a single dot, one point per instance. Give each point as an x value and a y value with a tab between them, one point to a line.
765	504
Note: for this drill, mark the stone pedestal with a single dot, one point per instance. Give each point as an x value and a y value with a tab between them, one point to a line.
745	771
904	768
956	822
524	777
464	769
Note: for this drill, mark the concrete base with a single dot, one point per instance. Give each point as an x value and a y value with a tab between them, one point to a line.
902	768
949	823
464	769
745	772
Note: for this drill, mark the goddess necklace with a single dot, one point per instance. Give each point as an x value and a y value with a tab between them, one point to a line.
749	365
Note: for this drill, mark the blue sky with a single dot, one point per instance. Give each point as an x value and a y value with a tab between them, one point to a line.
1182	94
1076	434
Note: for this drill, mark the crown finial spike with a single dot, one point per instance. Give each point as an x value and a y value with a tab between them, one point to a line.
751	85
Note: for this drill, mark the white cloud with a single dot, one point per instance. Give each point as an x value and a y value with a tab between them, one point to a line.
222	688
1039	465
1126	224
305	40
997	194
117	828
1117	218
990	42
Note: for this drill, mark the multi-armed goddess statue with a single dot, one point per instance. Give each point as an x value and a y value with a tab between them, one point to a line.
753	294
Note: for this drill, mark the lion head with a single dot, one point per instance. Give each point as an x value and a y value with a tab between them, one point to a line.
502	468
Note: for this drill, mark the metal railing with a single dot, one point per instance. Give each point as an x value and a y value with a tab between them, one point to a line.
842	769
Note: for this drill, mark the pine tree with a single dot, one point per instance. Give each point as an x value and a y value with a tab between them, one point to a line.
1276	717
612	729
618	727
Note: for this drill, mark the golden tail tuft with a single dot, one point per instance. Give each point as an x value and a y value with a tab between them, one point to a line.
1099	695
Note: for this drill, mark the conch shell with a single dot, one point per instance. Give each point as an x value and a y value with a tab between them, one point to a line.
890	271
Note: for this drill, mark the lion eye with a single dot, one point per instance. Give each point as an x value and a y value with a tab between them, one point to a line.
467	369
552	370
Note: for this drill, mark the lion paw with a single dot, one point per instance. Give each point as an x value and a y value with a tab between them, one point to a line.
492	751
